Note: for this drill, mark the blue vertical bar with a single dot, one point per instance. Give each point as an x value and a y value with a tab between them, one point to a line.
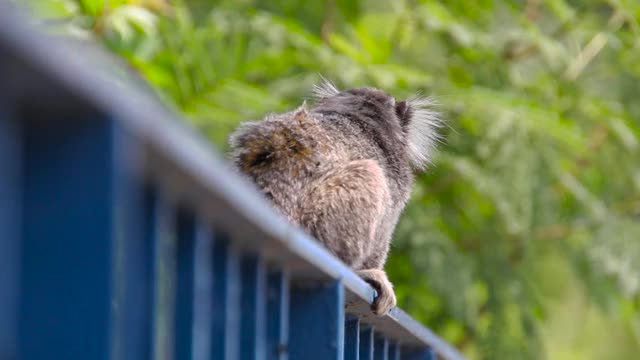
394	351
165	280
186	231
203	292
352	339
425	354
133	258
277	315
219	298
381	348
366	343
140	280
317	322
225	332
10	210
68	231
232	308
254	302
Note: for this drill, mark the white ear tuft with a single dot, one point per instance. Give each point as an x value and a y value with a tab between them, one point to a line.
423	131
301	112
325	89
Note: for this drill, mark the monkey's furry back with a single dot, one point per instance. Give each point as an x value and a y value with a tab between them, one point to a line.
342	170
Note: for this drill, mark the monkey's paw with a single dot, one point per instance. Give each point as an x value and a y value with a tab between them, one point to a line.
386	298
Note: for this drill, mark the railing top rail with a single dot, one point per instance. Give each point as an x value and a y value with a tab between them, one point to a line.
73	64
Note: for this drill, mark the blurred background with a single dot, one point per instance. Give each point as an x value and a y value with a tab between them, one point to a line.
522	241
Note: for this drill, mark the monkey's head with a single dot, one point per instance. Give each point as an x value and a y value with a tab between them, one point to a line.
405	130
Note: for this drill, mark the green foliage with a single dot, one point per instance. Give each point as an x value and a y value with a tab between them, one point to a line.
540	169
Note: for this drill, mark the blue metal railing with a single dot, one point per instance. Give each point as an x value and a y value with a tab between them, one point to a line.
123	236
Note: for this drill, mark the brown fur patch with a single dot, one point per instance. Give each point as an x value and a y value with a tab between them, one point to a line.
260	152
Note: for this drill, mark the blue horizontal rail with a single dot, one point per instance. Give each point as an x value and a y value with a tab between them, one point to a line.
123	235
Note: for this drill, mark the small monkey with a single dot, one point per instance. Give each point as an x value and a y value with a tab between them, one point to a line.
343	170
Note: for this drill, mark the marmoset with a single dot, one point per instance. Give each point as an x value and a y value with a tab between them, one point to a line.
343	170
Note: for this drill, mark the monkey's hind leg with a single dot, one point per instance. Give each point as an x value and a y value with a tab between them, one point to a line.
386	298
342	209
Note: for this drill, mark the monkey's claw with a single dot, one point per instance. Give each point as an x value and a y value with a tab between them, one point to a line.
386	298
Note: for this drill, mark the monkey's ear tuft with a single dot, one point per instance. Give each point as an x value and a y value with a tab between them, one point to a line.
325	89
404	113
301	112
422	131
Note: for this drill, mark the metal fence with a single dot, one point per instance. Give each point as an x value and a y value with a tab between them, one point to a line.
123	235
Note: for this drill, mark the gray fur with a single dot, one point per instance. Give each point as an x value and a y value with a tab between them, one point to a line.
342	170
